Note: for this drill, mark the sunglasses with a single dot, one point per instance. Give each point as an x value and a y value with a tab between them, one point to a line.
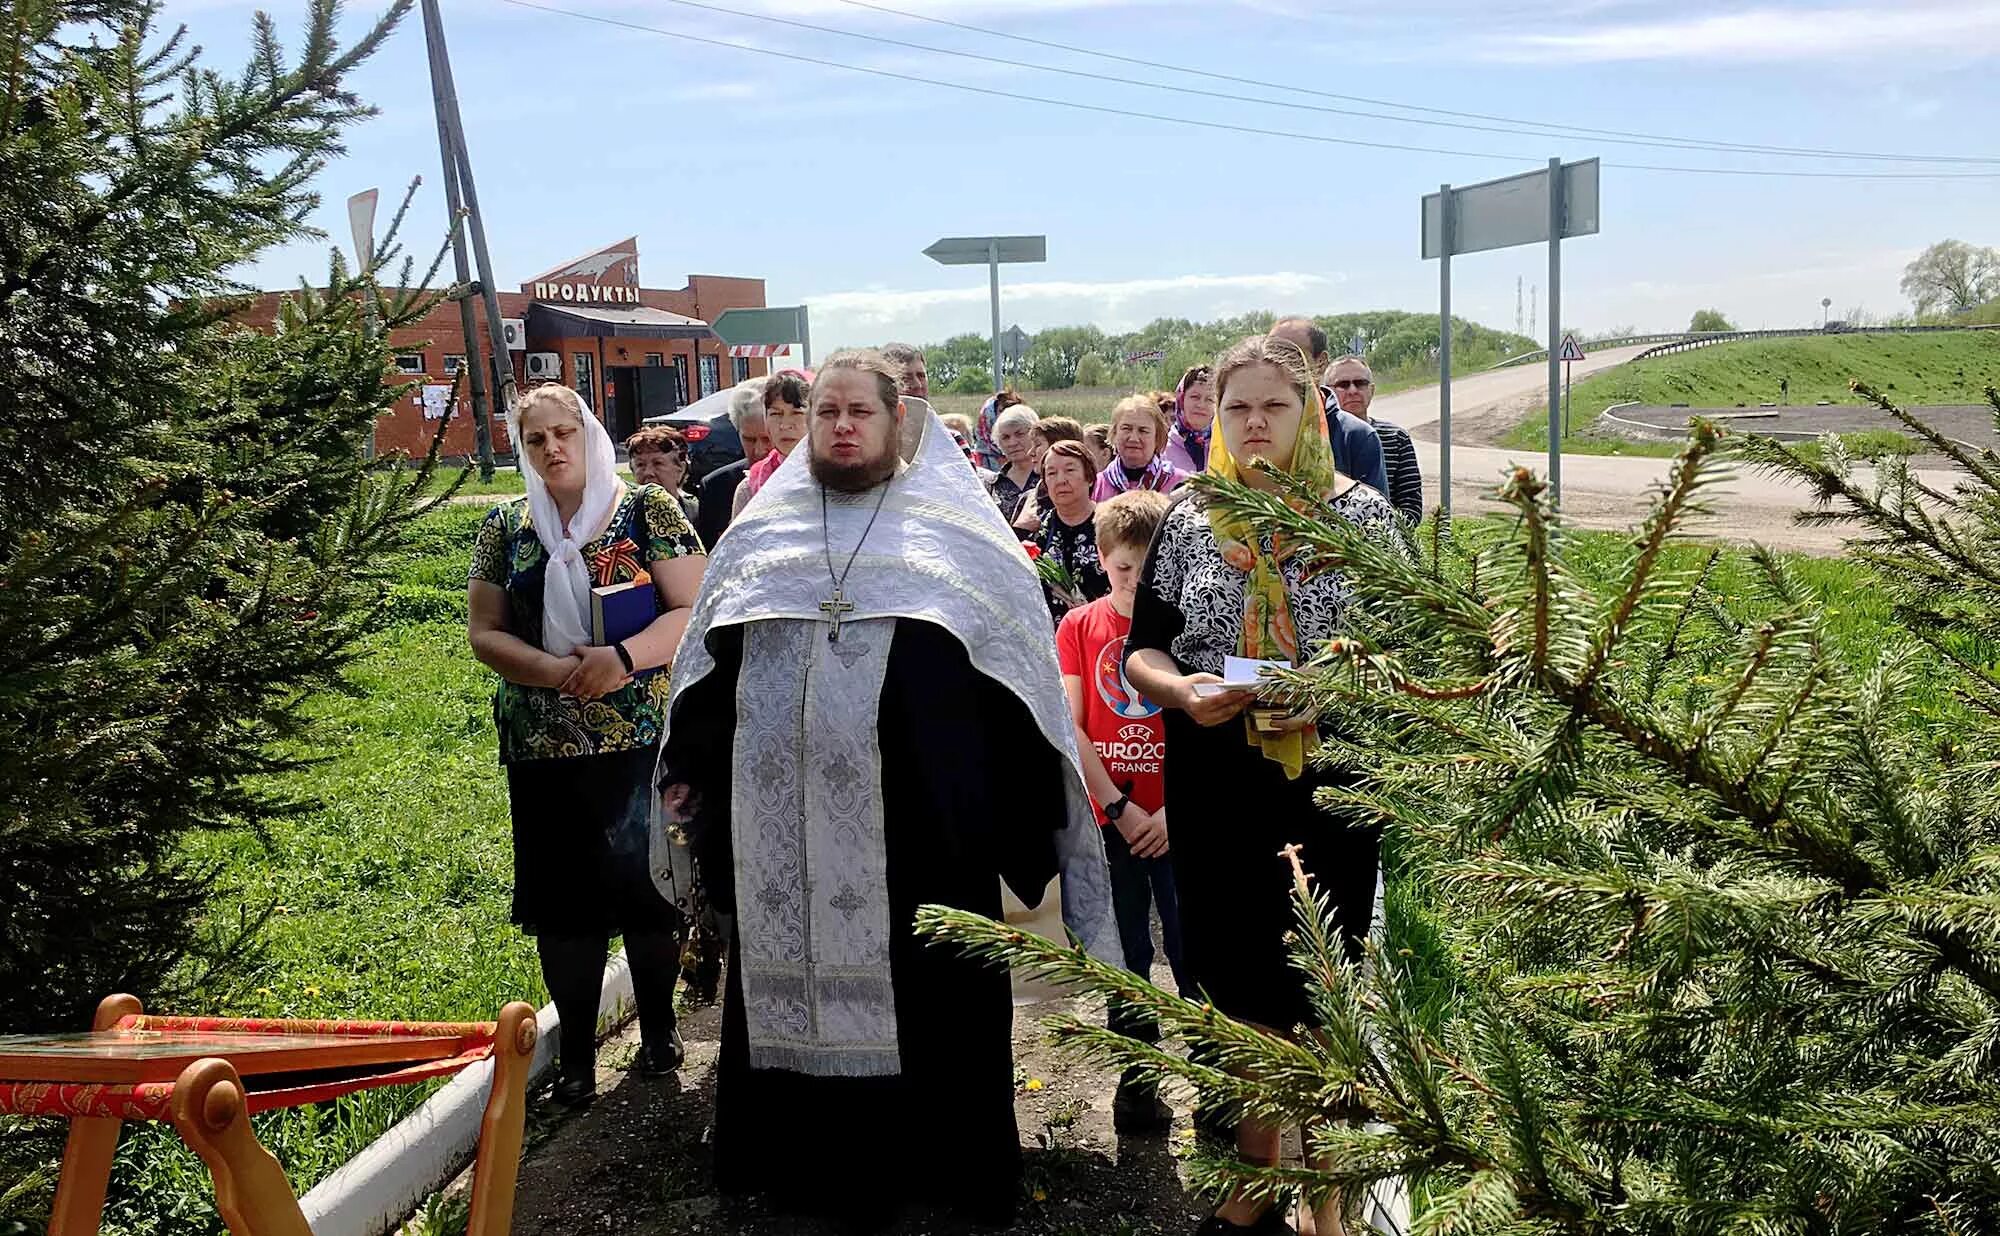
1353	384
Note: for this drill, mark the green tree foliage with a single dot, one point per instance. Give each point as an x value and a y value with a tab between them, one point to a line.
1708	320
1056	357
1093	370
190	542
1054	354
971	380
946	361
1724	906
1952	277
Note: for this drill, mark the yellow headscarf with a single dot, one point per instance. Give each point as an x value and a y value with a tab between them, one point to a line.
1268	630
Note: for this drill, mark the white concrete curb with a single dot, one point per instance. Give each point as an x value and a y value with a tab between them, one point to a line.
372	1193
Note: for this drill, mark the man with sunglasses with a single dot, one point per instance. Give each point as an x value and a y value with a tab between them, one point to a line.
1356	450
1353	385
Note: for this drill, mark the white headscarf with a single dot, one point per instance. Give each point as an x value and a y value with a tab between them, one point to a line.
566	583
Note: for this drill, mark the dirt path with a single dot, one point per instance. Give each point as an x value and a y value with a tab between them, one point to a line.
638	1161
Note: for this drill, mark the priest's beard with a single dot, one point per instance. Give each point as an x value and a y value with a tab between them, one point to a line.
860	476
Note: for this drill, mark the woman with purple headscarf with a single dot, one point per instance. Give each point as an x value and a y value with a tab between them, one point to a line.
1194	417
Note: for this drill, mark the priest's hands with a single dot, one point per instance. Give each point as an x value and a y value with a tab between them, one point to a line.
1211	709
599	672
1144	831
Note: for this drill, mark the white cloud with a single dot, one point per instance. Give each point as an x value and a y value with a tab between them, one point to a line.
1964	27
875	315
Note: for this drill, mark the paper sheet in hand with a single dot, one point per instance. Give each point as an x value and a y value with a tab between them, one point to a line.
1239	674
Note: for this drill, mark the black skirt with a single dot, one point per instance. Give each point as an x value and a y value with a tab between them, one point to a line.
582	829
1232	812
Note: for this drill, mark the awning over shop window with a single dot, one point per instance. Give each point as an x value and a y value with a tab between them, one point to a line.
603	321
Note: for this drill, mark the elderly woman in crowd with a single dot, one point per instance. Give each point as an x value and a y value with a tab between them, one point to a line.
1021	446
1193	417
1035	503
659	456
785	421
1068	533
1138	432
718	488
580	722
1239	786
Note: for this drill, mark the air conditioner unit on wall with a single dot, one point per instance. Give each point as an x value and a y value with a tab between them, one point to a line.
515	332
545	365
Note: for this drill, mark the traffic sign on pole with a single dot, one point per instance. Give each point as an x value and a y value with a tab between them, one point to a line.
1571	349
775	325
994	251
1548	204
1013	346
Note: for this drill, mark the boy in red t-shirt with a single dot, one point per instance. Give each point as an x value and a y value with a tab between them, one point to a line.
1123	739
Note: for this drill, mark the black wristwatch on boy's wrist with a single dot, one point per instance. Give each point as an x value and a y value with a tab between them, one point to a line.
1113	810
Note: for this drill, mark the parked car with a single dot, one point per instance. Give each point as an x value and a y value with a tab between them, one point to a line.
712	439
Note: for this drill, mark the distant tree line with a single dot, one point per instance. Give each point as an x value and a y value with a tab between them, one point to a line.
1060	357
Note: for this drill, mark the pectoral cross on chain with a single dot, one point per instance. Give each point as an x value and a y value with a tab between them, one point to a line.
833	608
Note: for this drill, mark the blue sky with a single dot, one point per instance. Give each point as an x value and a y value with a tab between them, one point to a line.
829	183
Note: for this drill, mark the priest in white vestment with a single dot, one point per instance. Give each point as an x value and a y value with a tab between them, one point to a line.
867	716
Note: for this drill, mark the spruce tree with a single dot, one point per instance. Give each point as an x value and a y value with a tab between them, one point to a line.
191	542
1718	907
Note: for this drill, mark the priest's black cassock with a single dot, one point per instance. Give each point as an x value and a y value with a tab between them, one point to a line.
921	757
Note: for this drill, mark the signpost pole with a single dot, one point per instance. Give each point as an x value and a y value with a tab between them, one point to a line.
489	294
1569	368
805	340
1444	351
1555	325
993	283
461	262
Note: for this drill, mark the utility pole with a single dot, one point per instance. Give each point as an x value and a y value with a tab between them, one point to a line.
462	199
1520	323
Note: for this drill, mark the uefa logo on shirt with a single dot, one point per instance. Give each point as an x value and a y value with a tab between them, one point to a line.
1113	686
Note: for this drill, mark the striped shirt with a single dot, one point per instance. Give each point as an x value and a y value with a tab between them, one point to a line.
1406	479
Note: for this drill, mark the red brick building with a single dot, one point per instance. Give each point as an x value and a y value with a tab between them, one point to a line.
588	323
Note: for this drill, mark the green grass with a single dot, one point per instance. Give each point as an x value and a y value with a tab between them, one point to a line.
389	899
505	481
1953	368
1869	444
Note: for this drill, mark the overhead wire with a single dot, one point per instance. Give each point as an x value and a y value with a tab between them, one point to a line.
1551	128
1196	122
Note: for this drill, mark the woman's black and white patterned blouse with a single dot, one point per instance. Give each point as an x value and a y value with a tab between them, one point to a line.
1200	597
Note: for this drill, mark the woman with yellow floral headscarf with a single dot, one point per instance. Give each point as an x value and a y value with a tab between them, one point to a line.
1239	791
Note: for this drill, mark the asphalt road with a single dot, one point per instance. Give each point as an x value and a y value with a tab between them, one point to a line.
1599	491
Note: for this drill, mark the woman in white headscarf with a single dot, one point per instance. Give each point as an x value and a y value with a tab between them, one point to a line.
580	723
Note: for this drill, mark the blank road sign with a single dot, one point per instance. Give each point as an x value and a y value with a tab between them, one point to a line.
970	250
743	326
1514	211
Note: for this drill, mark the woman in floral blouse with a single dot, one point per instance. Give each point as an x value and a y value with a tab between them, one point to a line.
580	724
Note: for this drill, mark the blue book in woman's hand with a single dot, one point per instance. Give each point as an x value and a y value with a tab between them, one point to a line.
620	611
